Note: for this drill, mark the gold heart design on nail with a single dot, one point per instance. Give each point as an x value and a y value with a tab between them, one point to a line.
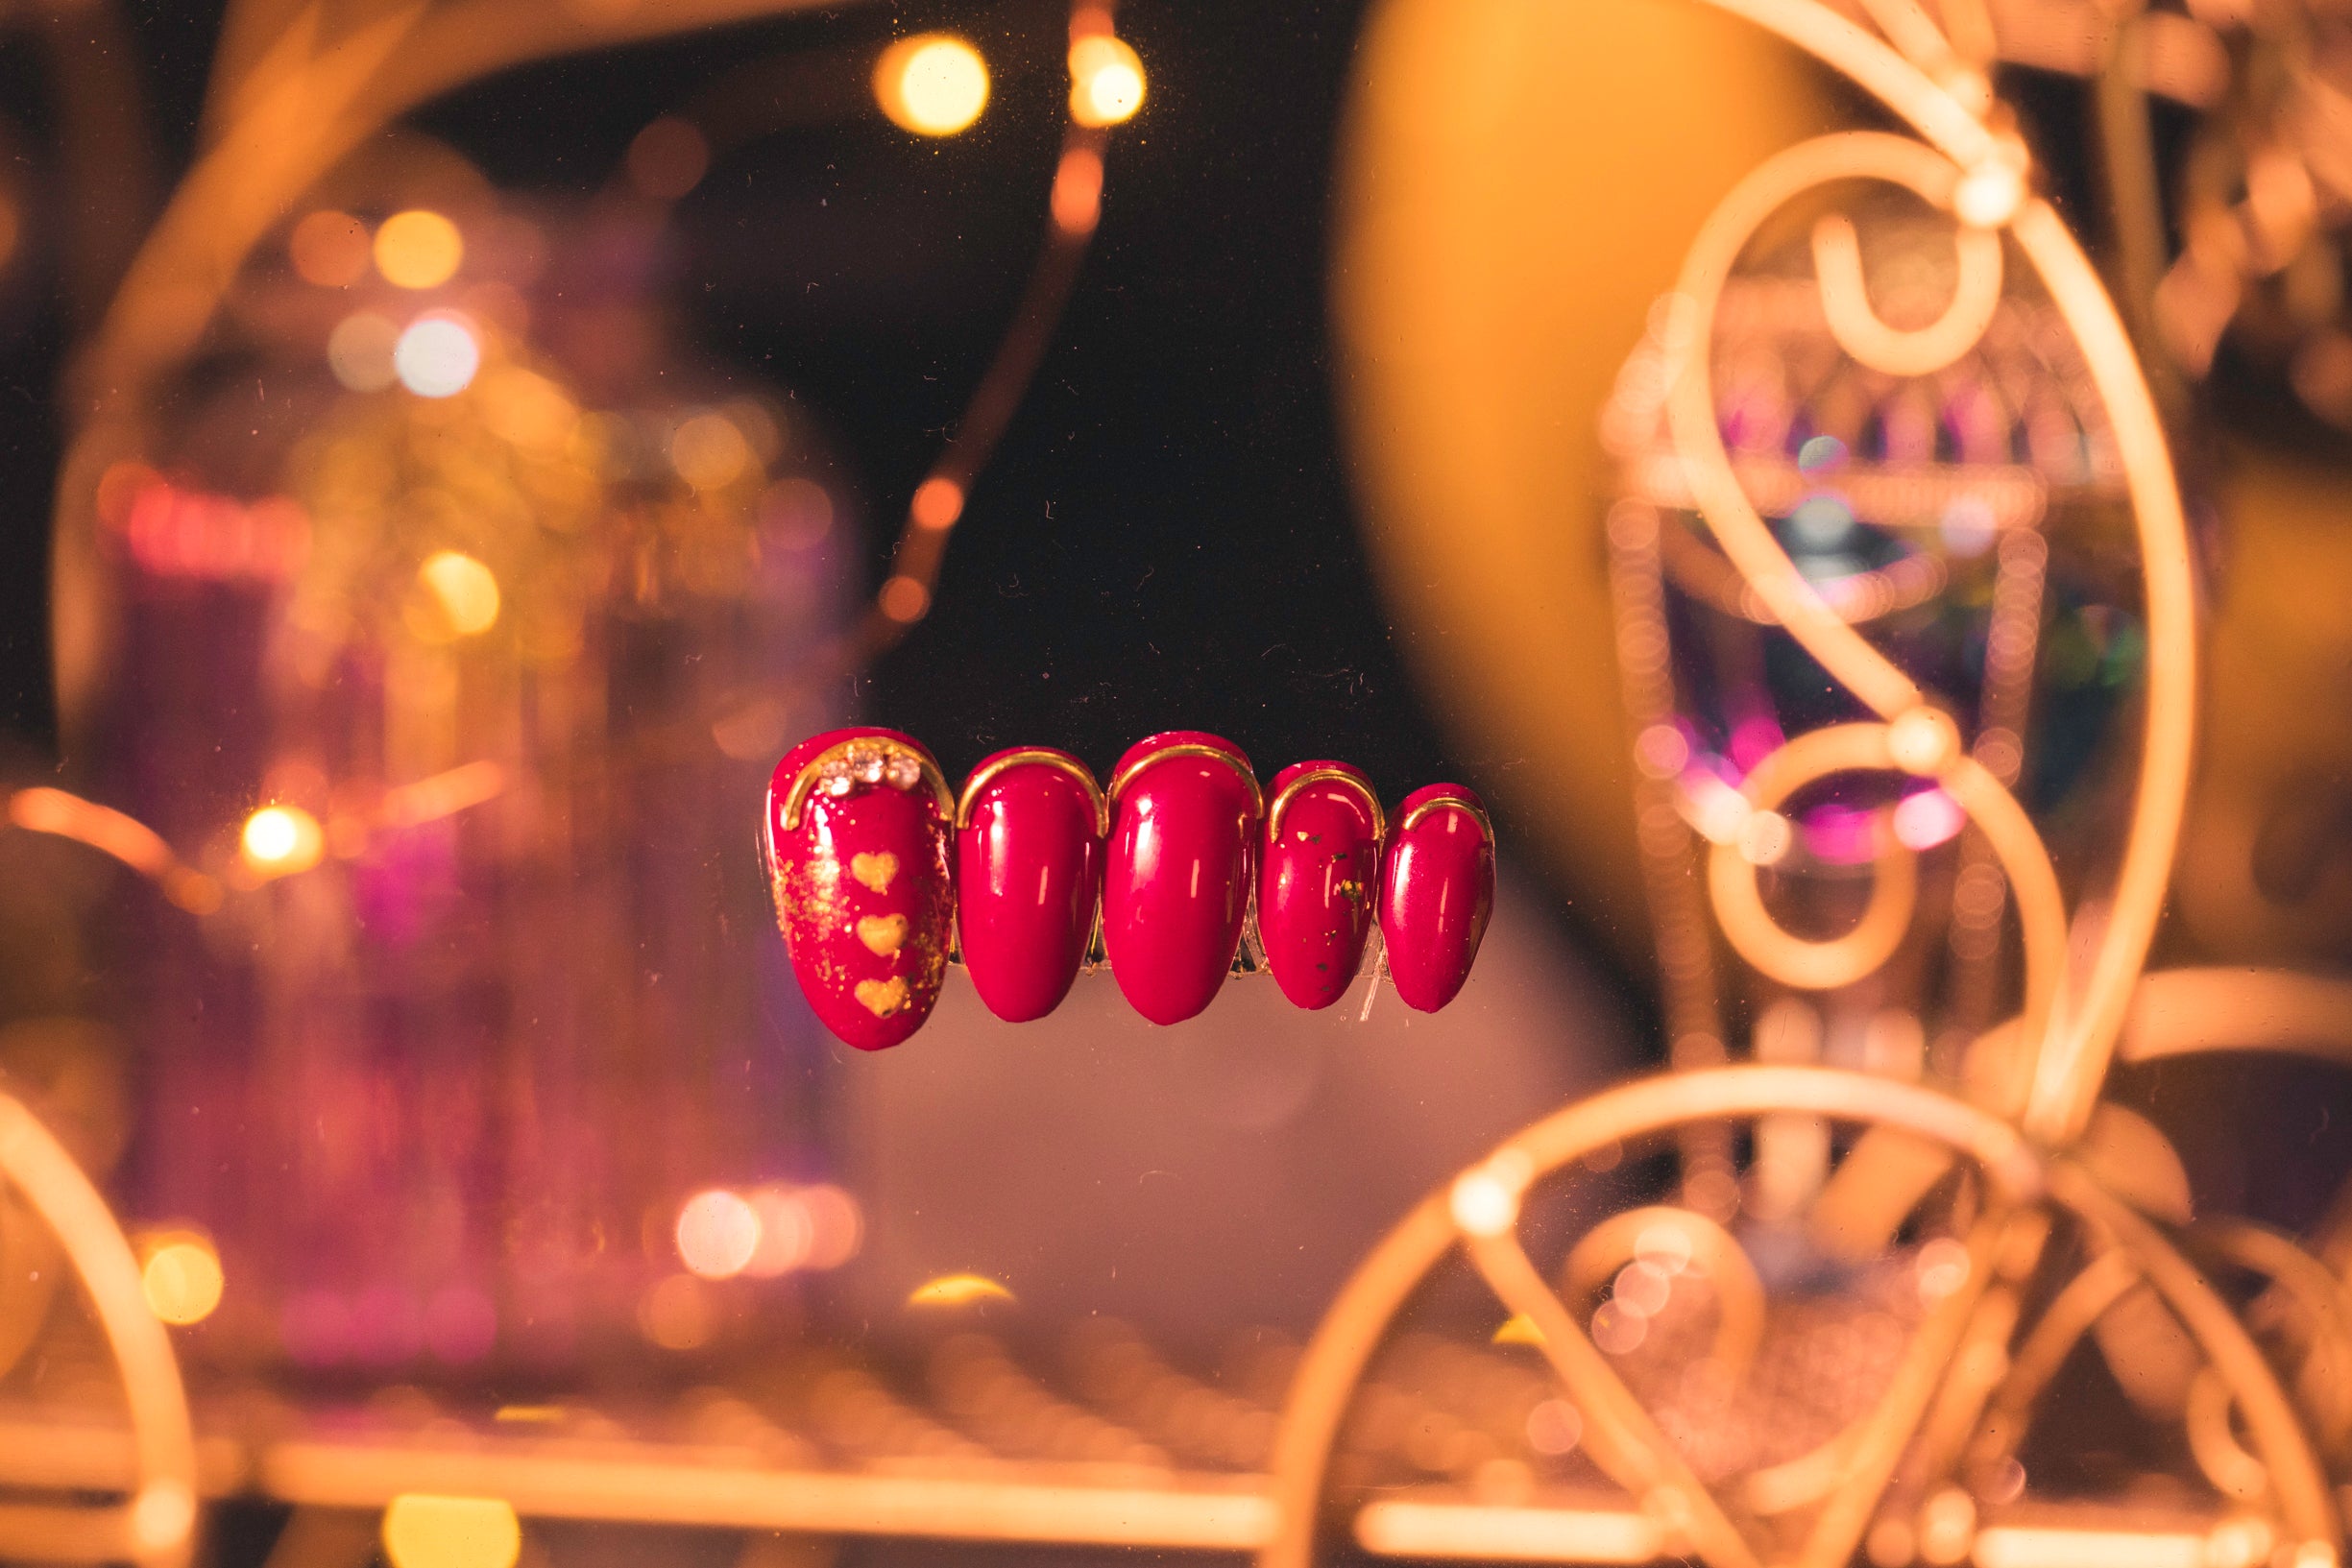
881	933
882	998
874	870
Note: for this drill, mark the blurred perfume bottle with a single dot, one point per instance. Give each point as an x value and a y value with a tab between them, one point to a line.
460	665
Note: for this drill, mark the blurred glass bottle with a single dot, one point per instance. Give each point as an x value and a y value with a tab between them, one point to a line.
461	664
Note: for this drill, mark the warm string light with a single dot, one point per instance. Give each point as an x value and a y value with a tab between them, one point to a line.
1107	87
931	84
1106	84
46	810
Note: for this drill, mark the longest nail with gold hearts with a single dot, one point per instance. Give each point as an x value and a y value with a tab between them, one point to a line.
1185	822
1028	874
1319	872
857	829
1436	893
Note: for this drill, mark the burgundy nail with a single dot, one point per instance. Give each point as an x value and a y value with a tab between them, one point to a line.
1029	873
1437	893
857	824
1317	873
1184	819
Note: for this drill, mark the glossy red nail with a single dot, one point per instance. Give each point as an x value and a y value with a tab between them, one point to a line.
857	825
1028	874
1184	821
1436	893
1318	871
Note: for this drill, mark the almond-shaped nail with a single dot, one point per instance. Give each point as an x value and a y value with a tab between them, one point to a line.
1185	822
1028	874
857	828
1436	893
1319	872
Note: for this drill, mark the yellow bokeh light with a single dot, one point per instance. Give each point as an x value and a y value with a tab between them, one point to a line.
934	84
279	840
182	1279
677	1313
718	1233
956	1290
1519	1329
709	451
1106	80
424	1530
463	589
419	250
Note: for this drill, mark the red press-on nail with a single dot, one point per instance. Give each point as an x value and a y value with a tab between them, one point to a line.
1318	871
1436	893
1029	873
1184	819
857	825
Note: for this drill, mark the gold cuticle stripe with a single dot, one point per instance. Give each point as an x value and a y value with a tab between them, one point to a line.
1449	802
804	781
1070	765
1323	775
1192	748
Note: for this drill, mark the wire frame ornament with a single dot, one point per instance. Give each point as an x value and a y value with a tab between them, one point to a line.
2008	1211
155	1525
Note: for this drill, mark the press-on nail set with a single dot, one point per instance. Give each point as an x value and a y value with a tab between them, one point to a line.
1183	871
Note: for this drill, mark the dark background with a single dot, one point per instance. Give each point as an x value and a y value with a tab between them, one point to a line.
1164	539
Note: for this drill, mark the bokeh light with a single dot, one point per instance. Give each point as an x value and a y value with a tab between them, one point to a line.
956	1290
182	1278
836	1227
796	513
279	840
718	1233
359	351
709	451
424	1530
934	84
667	159
1821	521
1106	80
437	356
677	1313
1076	201
788	1233
330	249
1555	1427
462	591
419	250
938	503
1519	1329
1927	820
1969	525
528	410
902	598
